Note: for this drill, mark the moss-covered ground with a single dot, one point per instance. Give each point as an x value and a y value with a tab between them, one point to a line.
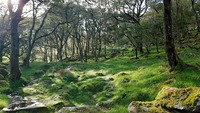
122	79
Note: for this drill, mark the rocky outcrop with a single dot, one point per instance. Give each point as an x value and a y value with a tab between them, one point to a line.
170	100
19	103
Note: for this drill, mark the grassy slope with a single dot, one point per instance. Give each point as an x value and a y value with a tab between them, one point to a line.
134	79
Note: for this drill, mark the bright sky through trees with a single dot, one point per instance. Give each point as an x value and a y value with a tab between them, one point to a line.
5	1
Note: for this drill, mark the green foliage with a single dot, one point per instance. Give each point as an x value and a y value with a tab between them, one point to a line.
1	77
4	100
3	72
35	70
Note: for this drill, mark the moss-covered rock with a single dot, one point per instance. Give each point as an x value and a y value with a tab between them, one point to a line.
170	99
93	85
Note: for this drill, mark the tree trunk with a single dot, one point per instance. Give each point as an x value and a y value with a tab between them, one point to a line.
45	57
27	59
196	15
141	48
157	49
14	57
136	54
1	49
169	42
105	52
51	52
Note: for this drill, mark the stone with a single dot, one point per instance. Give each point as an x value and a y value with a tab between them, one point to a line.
132	108
197	107
106	103
74	109
19	103
23	106
170	100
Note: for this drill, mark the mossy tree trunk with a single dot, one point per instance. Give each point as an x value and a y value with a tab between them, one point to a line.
14	57
173	59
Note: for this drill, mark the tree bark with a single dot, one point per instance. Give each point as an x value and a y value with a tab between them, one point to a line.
14	57
169	41
1	49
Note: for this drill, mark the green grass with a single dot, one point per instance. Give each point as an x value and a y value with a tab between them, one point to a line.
89	83
3	100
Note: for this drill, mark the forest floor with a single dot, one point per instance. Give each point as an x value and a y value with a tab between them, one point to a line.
108	86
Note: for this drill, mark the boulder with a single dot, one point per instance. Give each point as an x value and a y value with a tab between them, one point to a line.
170	100
23	105
19	103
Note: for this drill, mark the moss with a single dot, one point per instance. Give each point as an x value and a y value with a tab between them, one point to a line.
93	85
4	101
170	98
157	110
4	83
192	98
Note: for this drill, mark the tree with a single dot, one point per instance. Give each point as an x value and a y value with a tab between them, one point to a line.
195	8
16	17
173	58
131	11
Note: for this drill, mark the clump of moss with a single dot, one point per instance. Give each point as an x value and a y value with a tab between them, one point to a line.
170	97
93	85
3	83
192	98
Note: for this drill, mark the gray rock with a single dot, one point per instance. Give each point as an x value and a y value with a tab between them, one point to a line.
132	108
23	105
144	108
74	109
197	107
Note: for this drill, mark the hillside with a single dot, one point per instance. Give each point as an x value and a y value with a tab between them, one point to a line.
106	86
